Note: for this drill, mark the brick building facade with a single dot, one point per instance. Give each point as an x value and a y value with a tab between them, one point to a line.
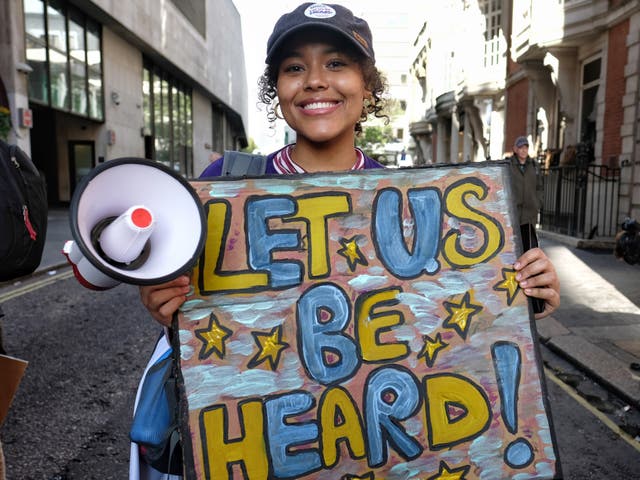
566	74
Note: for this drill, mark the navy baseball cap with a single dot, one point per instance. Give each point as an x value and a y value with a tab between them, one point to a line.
521	141
324	15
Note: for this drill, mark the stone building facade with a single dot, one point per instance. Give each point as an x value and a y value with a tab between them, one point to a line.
87	81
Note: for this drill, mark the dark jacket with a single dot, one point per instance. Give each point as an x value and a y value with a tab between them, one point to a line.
526	190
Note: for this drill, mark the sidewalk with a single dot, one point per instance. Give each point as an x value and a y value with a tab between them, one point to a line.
58	232
597	327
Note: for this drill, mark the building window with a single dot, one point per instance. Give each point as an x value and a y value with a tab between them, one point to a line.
168	126
36	45
195	11
492	11
63	47
58	62
78	64
588	105
218	124
94	63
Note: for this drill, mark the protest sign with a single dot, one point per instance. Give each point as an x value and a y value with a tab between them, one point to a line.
362	325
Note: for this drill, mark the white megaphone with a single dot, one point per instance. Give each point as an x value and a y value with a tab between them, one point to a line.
133	221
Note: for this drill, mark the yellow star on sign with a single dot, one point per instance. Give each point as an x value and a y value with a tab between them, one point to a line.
447	474
431	348
271	346
508	283
352	253
460	315
213	338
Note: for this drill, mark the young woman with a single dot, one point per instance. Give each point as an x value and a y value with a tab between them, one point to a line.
321	76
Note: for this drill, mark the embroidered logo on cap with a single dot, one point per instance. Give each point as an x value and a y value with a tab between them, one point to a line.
360	39
319	10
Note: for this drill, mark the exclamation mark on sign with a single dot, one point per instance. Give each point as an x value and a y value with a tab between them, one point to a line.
507	362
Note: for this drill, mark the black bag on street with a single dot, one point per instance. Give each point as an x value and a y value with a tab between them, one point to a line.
23	213
627	245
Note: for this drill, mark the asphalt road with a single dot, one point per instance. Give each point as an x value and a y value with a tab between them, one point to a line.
70	418
86	351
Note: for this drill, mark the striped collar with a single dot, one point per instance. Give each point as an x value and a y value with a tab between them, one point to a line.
284	164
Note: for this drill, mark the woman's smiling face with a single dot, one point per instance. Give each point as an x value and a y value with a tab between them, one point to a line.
320	87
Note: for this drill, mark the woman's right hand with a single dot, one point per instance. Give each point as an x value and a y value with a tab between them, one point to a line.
163	300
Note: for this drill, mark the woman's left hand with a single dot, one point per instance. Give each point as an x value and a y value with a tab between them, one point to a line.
538	278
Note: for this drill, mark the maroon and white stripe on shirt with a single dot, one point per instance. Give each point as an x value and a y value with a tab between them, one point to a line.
284	164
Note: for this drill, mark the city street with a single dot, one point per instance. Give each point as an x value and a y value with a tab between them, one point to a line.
526	113
86	350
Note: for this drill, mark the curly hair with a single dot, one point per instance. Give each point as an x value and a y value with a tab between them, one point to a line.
374	81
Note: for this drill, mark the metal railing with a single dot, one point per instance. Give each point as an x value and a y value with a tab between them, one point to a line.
581	200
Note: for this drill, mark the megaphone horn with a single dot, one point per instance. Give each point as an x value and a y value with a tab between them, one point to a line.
123	241
133	221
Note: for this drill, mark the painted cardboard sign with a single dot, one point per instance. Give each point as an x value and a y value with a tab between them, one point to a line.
362	325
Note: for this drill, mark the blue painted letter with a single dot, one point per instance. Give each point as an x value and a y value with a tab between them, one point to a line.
389	240
261	242
283	435
392	394
328	355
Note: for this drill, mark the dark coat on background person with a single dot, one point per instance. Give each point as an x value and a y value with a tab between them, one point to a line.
526	189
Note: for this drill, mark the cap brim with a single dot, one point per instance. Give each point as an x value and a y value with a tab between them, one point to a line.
278	43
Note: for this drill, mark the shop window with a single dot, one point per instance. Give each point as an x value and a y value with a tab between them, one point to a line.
168	128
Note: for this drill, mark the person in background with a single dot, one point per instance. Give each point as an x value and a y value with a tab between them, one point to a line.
526	191
526	187
321	76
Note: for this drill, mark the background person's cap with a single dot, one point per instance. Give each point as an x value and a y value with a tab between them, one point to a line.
521	141
330	16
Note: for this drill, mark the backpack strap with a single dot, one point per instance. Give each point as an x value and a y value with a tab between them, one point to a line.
239	164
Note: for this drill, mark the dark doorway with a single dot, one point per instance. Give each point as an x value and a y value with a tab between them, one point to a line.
81	161
148	147
44	148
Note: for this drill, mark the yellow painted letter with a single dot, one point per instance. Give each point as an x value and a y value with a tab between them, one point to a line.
369	325
457	206
315	210
457	410
340	420
210	277
219	451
